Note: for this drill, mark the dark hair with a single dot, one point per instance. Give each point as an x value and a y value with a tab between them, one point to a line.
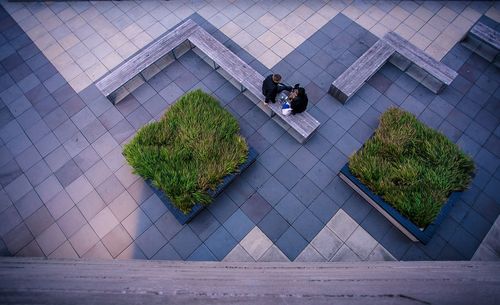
302	91
276	77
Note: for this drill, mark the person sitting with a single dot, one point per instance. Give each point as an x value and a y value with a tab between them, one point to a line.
272	86
298	99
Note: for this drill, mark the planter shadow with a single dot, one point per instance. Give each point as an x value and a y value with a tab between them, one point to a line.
407	227
197	208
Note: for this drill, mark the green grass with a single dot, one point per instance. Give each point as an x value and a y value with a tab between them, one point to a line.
411	166
189	151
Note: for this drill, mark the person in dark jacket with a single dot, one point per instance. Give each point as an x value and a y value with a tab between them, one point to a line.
272	86
298	100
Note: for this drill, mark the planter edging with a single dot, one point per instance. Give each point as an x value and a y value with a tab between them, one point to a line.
197	208
402	223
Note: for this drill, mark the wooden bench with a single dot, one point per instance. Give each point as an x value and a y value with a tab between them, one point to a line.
301	126
404	55
145	63
484	41
352	79
429	72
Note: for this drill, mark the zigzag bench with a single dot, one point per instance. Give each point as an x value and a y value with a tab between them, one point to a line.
484	41
146	63
404	55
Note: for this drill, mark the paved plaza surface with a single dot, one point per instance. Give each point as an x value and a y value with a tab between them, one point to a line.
66	190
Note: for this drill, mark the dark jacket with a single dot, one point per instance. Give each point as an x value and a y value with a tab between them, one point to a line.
270	89
299	104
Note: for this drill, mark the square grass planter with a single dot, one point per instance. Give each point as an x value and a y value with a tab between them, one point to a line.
408	228
197	208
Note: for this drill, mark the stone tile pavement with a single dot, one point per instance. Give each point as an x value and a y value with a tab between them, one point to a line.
84	40
66	191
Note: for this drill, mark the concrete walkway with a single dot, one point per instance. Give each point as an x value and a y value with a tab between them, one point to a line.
66	190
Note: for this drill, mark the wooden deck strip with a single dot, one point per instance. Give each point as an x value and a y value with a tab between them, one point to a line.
418	57
145	58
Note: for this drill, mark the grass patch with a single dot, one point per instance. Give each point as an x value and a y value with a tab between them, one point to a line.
189	151
411	166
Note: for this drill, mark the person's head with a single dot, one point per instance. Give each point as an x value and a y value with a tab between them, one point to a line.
276	78
301	91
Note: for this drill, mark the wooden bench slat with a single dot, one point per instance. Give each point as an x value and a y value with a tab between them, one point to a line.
361	70
486	34
136	64
418	57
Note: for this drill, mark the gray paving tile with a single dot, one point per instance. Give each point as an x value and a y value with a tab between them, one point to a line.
18	144
303	159
68	173
76	144
18	188
17	238
71	222
83	118
55	118
117	240
288	175
345	254
306	191
136	223
37	131
64	251
238	254
49	188
140	191
256	207
122	130
334	159
103	222
331	131
93	131
50	239
86	158
47	144
110	189
104	144
28	204
9	219
286	145
115	159
185	242
79	188
98	173
272	159
73	105
154	207
123	205
91	205
271	131
84	239
110	118
98	251
361	243
65	131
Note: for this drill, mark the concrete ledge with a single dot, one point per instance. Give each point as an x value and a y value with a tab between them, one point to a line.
41	281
